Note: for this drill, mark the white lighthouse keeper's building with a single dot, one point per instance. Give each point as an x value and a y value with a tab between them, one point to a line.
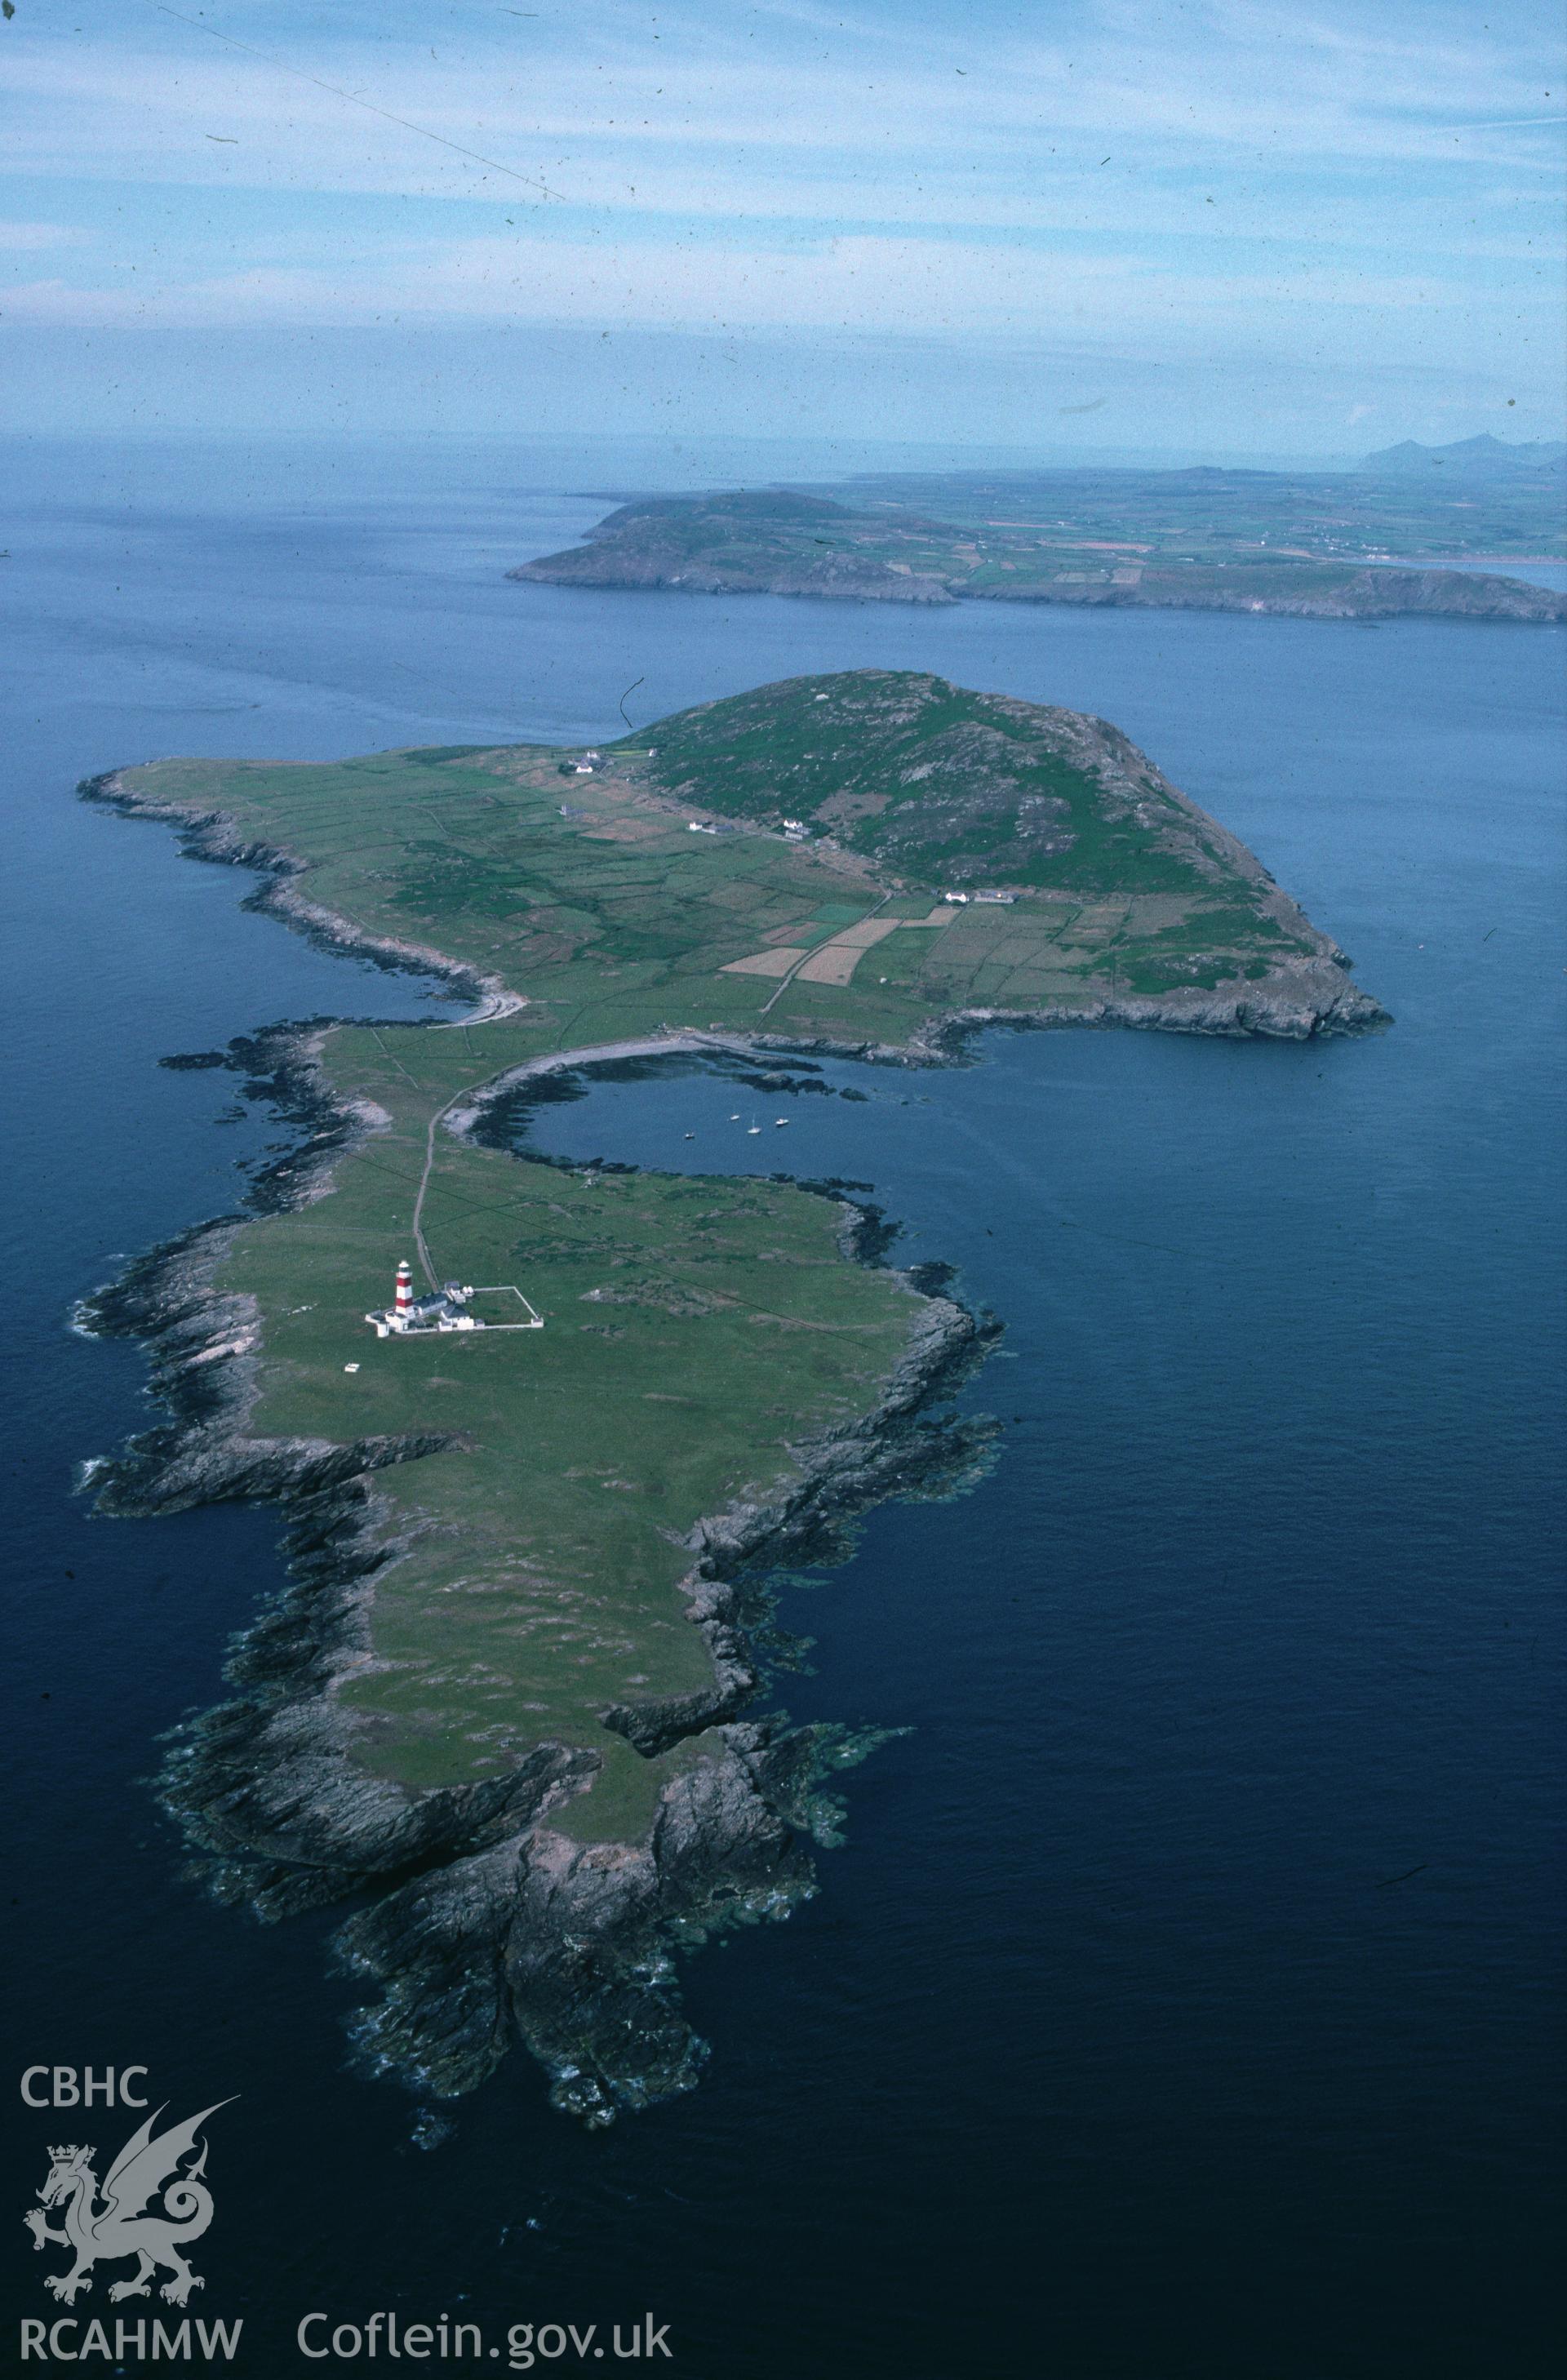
446	1308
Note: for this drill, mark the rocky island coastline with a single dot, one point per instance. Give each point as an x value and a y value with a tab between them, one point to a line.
534	1877
480	1919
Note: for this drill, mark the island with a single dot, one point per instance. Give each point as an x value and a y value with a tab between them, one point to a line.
507	1705
1376	543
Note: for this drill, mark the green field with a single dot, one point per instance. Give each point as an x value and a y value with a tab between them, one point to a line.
1449	512
698	1332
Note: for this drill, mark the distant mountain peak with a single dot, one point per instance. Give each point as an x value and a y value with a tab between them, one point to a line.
1484	452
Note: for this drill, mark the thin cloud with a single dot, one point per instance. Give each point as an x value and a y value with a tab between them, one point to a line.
792	165
26	239
884	285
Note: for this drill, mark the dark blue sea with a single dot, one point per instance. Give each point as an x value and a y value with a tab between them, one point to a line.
1186	1999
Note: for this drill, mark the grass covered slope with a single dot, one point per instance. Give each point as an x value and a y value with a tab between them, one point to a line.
951	789
588	894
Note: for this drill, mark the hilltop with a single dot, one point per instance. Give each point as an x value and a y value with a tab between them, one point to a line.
954	788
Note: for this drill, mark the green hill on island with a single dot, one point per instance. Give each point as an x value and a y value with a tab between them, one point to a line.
954	789
577	884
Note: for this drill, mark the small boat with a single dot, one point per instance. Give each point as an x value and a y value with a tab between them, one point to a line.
735	1119
753	1129
778	1120
690	1135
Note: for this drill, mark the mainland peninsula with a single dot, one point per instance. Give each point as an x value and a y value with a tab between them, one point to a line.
508	1706
1376	543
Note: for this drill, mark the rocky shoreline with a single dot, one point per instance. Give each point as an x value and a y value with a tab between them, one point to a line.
209	834
614	561
1299	999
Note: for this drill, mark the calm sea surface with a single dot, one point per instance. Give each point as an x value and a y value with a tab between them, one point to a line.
1182	2001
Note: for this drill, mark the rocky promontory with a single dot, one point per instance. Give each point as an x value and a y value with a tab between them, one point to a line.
482	1919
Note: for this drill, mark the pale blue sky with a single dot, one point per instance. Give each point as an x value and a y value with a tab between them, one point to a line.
1227	223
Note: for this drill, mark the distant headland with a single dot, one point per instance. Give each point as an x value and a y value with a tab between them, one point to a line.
1376	543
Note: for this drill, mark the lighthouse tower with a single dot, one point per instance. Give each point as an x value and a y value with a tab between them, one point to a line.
403	1304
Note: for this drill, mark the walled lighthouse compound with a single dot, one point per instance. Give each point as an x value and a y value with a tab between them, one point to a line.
446	1308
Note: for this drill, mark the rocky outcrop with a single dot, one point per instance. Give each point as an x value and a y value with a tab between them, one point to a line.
1300	1000
572	1946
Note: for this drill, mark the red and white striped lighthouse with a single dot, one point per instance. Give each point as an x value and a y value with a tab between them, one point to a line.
405	1298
